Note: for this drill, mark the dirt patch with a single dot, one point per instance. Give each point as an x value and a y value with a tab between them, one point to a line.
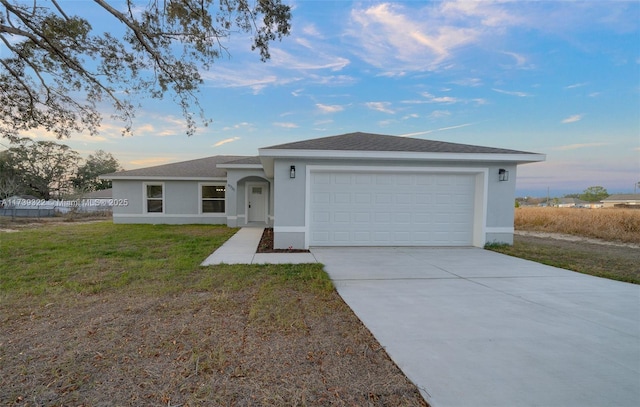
266	244
195	349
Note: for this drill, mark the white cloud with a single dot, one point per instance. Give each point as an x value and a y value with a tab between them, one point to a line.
576	85
380	107
255	77
520	60
437	114
286	125
311	30
389	35
329	108
512	93
420	133
579	146
439	99
473	82
317	62
226	141
242	125
572	119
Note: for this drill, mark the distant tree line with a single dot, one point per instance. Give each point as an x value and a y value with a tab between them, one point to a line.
50	170
592	194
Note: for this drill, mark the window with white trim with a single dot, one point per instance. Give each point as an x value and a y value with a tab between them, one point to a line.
154	198
212	198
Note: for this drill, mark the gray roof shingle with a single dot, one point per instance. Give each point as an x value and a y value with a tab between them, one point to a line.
199	168
378	142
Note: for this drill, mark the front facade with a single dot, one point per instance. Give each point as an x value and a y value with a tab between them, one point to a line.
356	189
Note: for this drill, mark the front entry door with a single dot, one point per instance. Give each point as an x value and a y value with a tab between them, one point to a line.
257	203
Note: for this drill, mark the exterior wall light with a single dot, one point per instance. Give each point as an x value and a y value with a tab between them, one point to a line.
292	171
503	175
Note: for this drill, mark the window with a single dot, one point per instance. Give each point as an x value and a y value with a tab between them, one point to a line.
155	197
213	198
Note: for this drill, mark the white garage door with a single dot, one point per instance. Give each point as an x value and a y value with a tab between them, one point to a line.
391	209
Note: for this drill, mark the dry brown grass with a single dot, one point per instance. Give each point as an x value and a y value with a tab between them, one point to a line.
123	315
622	225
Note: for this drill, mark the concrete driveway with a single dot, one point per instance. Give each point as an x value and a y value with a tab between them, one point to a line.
476	328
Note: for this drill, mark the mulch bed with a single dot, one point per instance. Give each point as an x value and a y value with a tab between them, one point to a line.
266	244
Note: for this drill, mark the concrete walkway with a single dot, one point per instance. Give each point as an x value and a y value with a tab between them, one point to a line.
472	327
241	249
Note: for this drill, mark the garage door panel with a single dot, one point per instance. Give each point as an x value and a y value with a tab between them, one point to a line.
382	209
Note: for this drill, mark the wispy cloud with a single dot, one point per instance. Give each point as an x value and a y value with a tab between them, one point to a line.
388	34
437	114
286	125
320	61
579	146
421	133
572	119
512	92
429	98
380	107
520	60
226	141
237	126
473	82
576	85
329	108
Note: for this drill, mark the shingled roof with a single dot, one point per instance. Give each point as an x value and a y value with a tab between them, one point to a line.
378	142
199	168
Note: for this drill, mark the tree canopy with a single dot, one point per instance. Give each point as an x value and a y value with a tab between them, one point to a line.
43	168
594	194
55	69
95	165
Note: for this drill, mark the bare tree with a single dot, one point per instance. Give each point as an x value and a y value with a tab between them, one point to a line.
58	69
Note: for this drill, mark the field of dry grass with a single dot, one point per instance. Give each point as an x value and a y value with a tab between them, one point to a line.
618	225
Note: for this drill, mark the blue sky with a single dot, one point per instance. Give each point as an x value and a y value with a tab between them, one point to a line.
560	78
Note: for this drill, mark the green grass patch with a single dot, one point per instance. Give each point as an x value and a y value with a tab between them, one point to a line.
95	257
613	262
53	261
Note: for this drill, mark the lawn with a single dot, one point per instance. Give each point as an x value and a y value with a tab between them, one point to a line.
104	314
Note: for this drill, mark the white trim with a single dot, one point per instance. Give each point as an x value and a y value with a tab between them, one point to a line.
211	184
500	230
247	188
481	191
145	203
394	155
232	217
290	229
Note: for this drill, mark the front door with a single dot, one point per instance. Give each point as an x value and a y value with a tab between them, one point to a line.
257	203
